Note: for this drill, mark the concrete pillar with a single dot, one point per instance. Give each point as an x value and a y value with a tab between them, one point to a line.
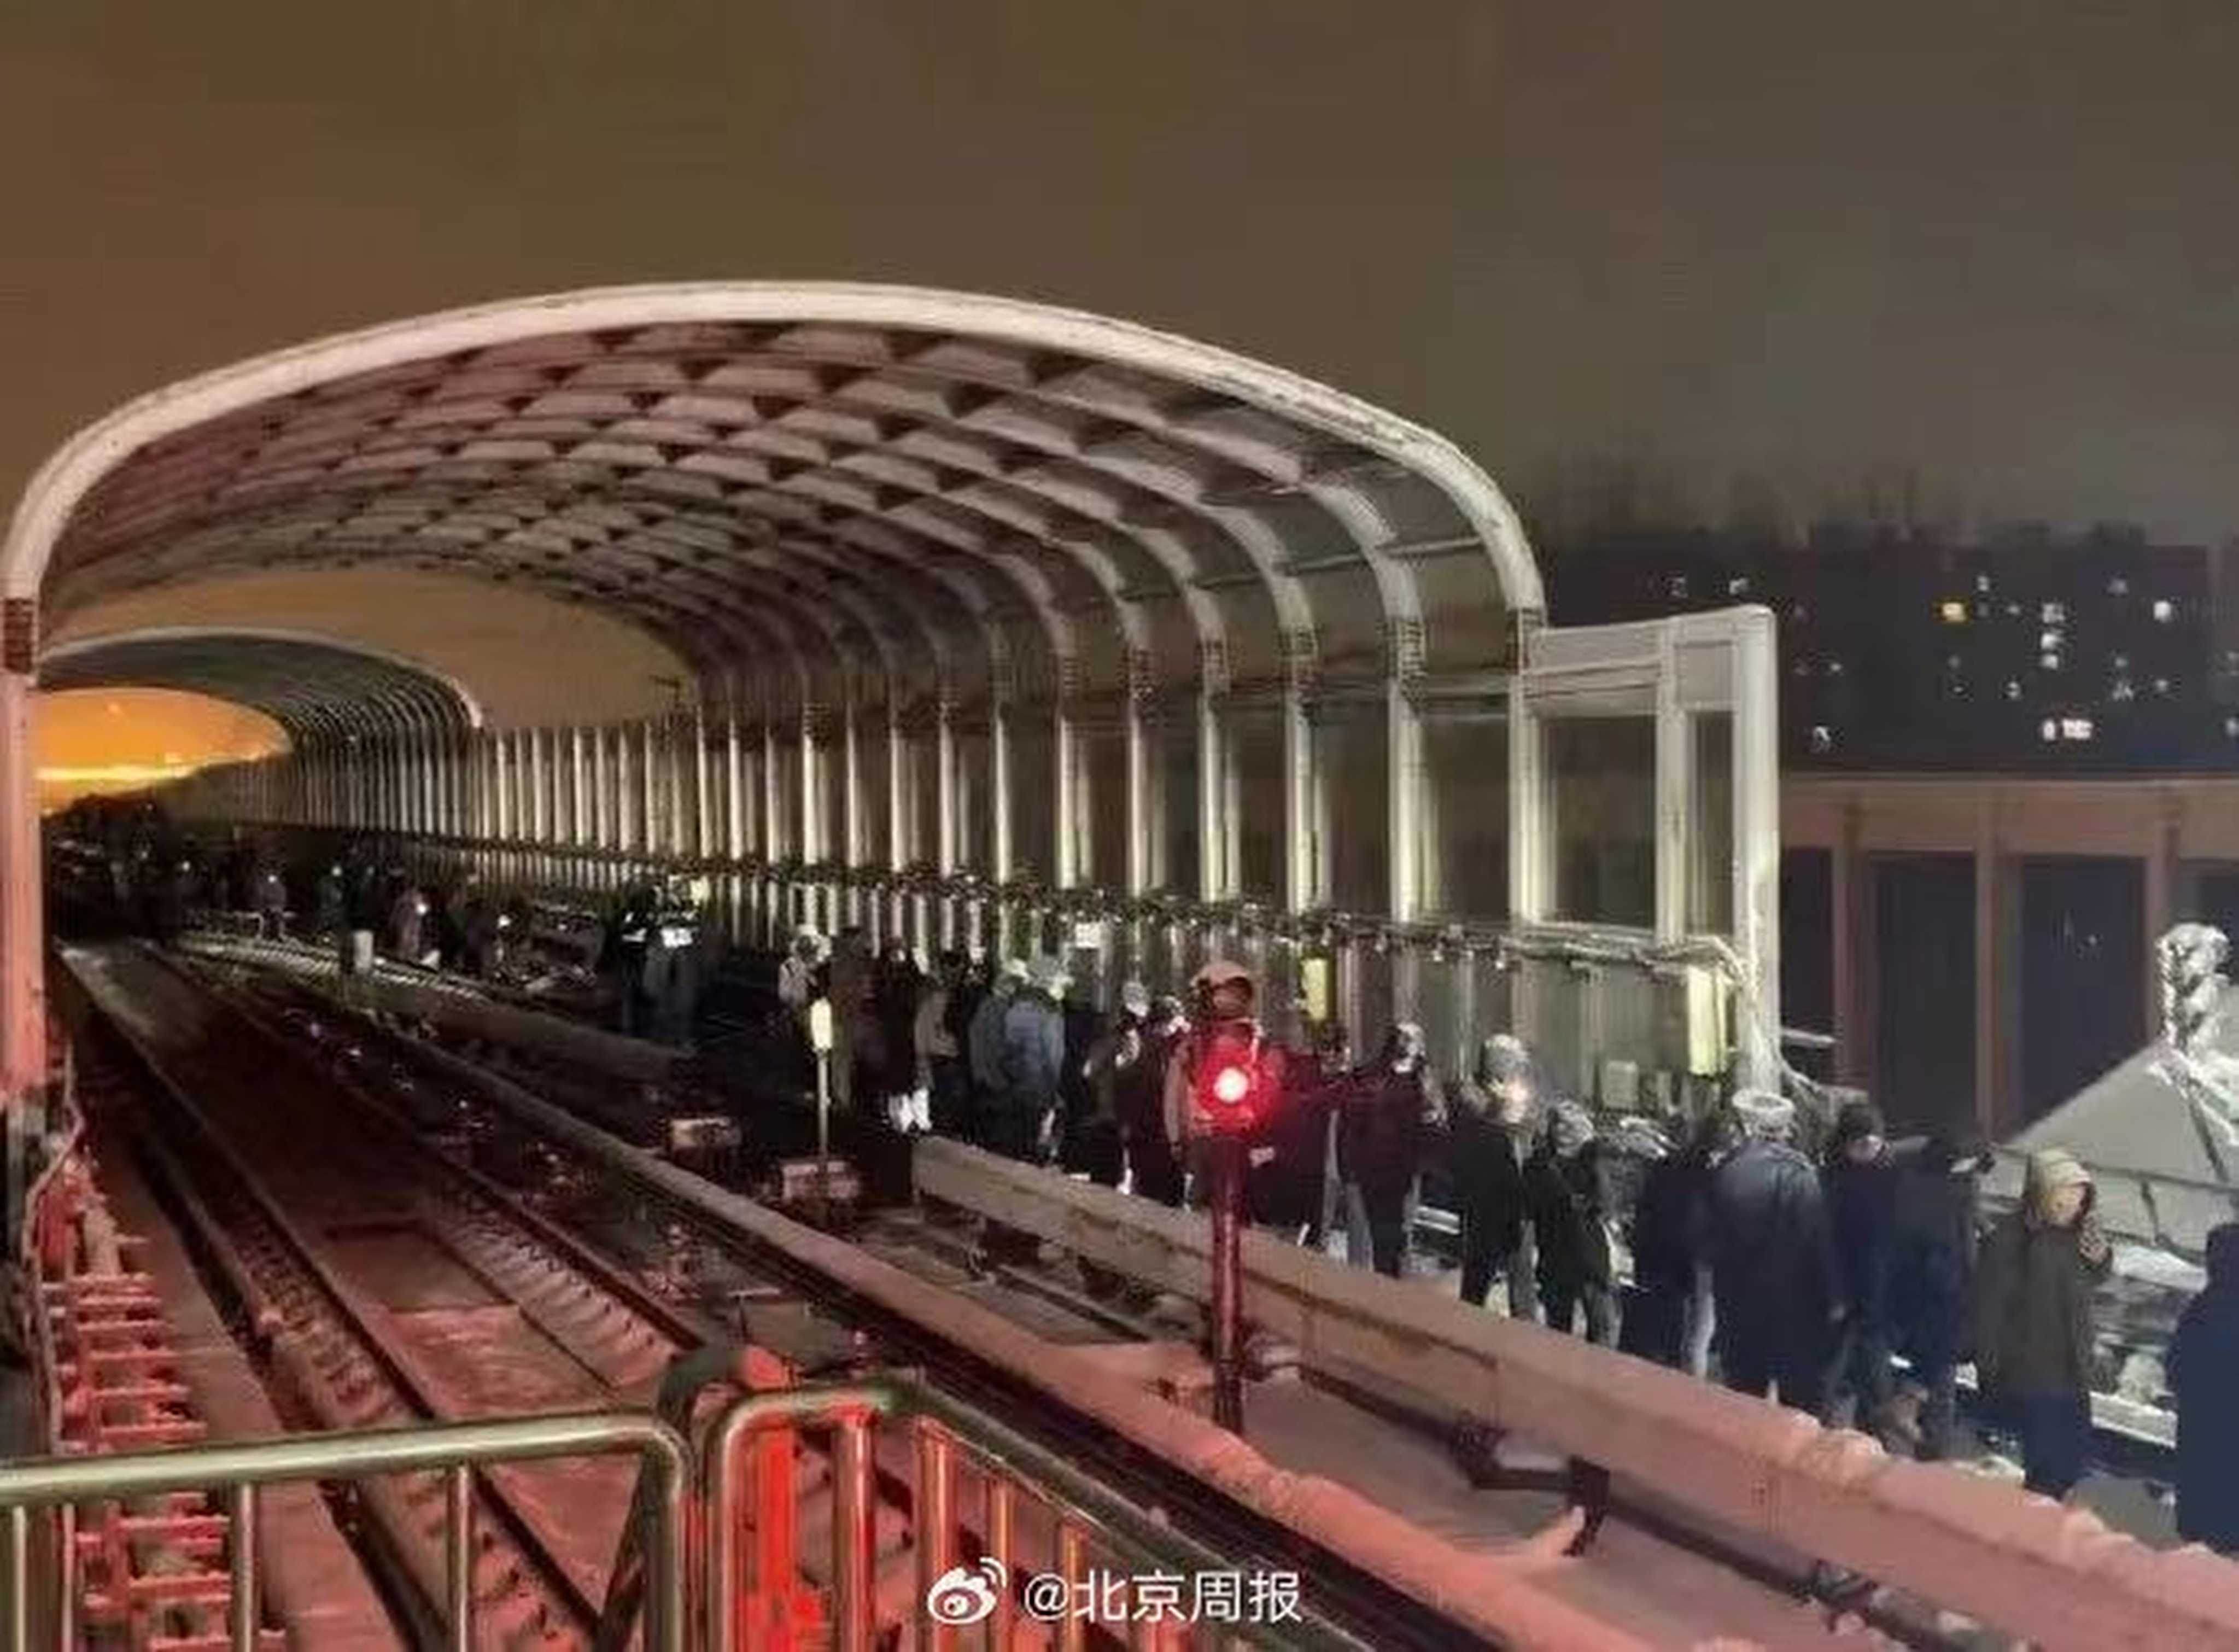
734	782
1403	798
900	850
1216	853
651	837
775	837
703	840
850	788
813	846
999	800
1066	760
1136	872
1300	872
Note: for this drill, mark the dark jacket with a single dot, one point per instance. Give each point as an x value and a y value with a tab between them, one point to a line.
1670	1220
2203	1374
1488	1162
1931	1267
1381	1131
1569	1201
1033	1052
2034	1326
1862	1217
1772	1258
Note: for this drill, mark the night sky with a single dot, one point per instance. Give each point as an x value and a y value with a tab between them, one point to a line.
1983	258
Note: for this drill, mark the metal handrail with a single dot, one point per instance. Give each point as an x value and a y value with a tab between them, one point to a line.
455	1449
1088	1512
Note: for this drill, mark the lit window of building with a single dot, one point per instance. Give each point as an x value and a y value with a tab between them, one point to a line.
2048	730
2053	614
2162	686
1737	586
2050	661
2121	690
2013	689
1982	583
1953	613
1834	668
2049	640
2231	728
2076	728
2118	586
1822	738
1677	587
2120	663
2164	610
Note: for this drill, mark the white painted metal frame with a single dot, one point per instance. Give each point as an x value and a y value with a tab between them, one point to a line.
1668	672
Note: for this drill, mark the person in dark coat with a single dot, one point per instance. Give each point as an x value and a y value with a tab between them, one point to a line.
1567	1195
2034	1323
983	1049
1670	1241
1293	1163
1096	1144
1139	1096
1492	1127
897	984
1859	1177
1381	1132
1773	1264
1034	1062
2203	1374
1930	1281
330	908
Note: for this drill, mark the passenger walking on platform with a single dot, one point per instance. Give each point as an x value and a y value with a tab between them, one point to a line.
1081	1145
1118	1074
1773	1261
1567	1193
271	901
1860	1180
1139	1098
853	1028
796	975
1033	1065
629	936
2034	1323
1491	1128
897	985
984	1048
2203	1374
1292	1161
407	916
330	912
943	1081
1381	1135
1667	1312
1931	1270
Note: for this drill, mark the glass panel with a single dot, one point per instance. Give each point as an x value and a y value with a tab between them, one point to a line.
975	799
1255	768
1033	792
1103	805
1465	816
1174	819
1601	789
1353	821
1711	833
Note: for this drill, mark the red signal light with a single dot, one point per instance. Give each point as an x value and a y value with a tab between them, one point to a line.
1232	1086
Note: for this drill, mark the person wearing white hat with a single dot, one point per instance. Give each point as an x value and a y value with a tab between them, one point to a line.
1032	1063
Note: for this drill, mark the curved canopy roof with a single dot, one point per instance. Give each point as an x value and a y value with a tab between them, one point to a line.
814	491
310	686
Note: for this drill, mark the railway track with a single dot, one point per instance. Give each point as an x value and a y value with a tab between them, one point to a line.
599	1262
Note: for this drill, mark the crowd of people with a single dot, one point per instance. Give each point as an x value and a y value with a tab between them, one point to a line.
1736	1253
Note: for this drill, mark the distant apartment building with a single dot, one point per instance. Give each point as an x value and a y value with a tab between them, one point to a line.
2010	767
